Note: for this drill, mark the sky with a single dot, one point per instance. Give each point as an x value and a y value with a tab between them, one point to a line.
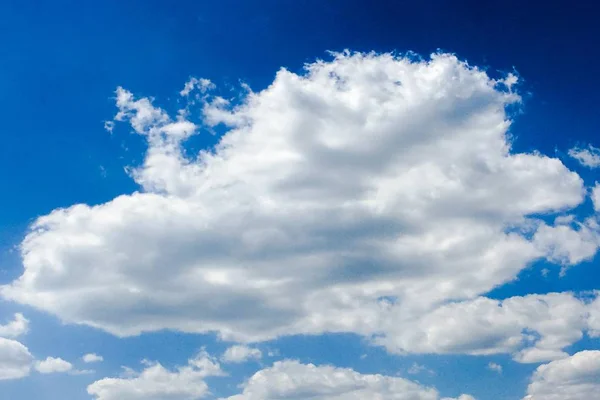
268	200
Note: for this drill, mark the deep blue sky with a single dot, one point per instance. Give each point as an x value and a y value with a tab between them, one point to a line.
61	61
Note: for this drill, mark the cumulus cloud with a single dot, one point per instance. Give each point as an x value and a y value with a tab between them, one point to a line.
532	328
156	382
589	157
15	328
293	380
573	378
92	358
240	354
361	196
52	365
15	359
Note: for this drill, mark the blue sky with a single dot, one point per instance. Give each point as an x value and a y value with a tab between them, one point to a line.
356	217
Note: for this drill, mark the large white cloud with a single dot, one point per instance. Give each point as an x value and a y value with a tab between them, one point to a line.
15	359
574	378
293	380
371	190
156	382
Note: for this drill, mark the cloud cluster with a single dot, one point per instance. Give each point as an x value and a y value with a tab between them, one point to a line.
573	378
293	380
372	194
157	382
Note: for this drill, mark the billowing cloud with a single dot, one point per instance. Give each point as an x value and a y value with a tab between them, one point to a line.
589	157
573	378
92	358
293	380
156	382
53	365
15	359
15	328
361	196
241	353
532	328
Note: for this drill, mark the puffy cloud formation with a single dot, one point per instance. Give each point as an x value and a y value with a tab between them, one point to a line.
533	328
573	378
156	382
361	196
241	353
52	365
15	328
293	380
15	359
92	358
589	157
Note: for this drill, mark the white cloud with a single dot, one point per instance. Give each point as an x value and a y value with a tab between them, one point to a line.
589	157
492	366
92	358
565	245
240	354
52	365
15	359
293	380
532	328
573	378
156	382
596	196
416	368
368	178
594	317
194	83
15	328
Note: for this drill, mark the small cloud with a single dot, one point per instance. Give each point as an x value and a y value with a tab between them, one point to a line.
588	157
273	353
194	83
82	372
15	328
109	126
595	194
240	353
418	368
545	272
492	366
92	358
53	365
